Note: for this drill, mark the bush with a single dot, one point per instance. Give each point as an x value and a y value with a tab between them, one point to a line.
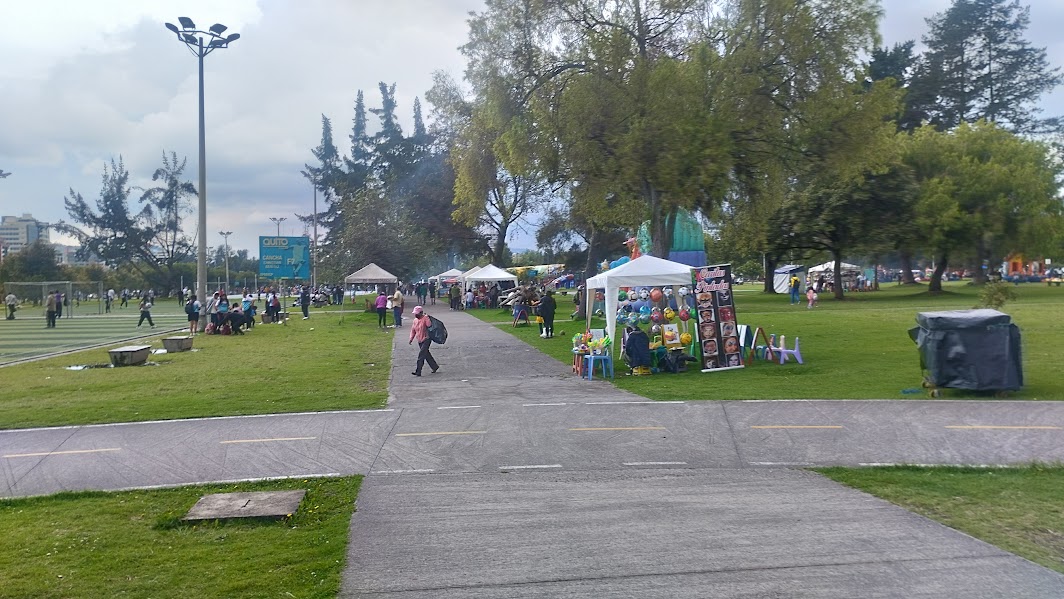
995	294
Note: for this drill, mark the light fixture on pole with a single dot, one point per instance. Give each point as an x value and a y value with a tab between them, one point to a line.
278	220
202	43
226	234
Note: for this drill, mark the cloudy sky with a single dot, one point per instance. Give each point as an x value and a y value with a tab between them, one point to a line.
85	82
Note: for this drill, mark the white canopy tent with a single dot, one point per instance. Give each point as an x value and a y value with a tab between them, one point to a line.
447	274
465	276
371	274
781	277
491	274
828	268
644	271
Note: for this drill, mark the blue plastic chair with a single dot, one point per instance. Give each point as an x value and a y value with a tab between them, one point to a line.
605	360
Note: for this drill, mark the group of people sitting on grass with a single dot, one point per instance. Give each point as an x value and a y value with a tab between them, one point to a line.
226	317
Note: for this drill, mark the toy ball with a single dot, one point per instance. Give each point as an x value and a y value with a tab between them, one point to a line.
684	291
644	309
685	314
669	314
633	319
622	296
686	338
644	318
667	291
600	313
656	295
655	330
655	315
621	316
644	294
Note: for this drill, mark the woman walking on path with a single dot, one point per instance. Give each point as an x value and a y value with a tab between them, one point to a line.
420	331
382	310
145	312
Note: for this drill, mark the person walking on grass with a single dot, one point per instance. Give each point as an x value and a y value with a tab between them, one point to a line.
49	309
397	307
304	301
547	308
420	331
382	309
145	312
12	305
192	311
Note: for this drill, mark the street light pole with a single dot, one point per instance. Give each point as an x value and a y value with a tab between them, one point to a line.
278	220
314	245
193	38
226	234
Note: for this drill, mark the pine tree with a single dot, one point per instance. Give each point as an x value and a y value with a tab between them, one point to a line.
980	67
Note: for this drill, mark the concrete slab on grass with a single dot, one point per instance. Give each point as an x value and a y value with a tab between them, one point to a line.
262	504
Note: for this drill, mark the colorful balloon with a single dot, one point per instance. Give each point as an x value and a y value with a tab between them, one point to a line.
669	314
644	318
686	338
656	295
644	309
655	315
685	314
622	296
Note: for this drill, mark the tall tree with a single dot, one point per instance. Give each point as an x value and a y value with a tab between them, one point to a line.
981	67
141	239
984	193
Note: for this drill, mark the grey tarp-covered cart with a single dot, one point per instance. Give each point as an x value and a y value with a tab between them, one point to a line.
976	350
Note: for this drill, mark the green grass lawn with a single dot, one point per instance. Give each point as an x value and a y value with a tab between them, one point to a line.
857	348
334	361
132	544
1017	509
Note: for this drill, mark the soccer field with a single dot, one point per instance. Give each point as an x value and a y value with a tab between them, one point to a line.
26	337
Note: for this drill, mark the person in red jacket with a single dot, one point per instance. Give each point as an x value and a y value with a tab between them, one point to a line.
420	331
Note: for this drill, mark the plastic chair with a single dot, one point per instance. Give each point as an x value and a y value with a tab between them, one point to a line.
521	313
796	353
605	360
578	362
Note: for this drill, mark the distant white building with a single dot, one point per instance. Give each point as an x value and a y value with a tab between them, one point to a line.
16	232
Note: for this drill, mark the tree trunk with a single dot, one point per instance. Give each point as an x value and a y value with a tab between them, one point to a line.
981	254
906	259
838	287
591	267
662	224
770	268
935	285
499	250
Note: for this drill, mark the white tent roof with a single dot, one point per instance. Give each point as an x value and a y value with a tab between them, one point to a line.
644	271
466	274
371	273
491	273
454	272
829	267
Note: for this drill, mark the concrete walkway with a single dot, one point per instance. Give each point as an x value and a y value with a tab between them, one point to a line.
576	490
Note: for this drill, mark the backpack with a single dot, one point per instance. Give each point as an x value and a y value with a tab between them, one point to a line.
437	332
190	309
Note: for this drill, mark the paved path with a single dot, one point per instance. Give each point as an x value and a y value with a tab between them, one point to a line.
502	475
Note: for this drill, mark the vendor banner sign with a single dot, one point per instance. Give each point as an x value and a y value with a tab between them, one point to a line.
717	329
284	258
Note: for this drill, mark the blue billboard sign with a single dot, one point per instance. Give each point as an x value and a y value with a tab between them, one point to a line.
284	257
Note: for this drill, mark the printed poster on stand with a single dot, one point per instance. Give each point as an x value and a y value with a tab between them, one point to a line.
717	328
